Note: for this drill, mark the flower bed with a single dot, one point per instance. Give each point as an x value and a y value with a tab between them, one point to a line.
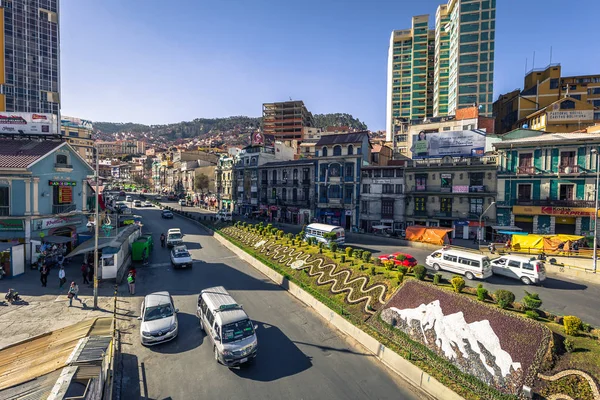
499	348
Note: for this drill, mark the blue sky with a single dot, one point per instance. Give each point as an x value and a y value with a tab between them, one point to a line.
165	61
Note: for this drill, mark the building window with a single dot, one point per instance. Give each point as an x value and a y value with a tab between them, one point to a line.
366	188
306	174
273	193
524	191
349	170
295	174
283	194
334	192
387	208
446	182
446	205
348	193
567	105
567	159
305	194
476	206
4	201
364	205
387	188
294	194
62	159
284	176
350	150
388	173
420	204
274	175
398	188
421	182
337	150
566	192
324	151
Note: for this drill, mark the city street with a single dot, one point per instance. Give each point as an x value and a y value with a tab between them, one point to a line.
300	356
561	297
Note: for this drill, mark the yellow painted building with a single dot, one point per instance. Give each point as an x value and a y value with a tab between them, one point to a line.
78	133
564	115
542	88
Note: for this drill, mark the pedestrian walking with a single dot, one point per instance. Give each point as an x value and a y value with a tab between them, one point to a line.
131	282
84	273
72	293
91	275
44	275
61	277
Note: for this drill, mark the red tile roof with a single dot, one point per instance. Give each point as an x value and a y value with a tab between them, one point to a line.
18	153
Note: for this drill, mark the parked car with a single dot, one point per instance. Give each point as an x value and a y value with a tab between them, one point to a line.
182	202
224	216
159	319
400	258
148	204
166	214
128	198
181	257
174	237
137	203
158	198
526	269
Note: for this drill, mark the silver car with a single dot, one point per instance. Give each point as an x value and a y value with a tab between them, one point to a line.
181	257
159	319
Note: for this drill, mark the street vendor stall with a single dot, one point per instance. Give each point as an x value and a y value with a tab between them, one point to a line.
12	259
438	236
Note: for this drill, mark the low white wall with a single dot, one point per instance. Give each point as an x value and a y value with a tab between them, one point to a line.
392	360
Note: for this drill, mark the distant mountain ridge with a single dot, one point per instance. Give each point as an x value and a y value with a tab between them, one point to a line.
205	126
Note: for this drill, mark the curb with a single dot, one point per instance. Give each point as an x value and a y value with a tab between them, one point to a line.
419	379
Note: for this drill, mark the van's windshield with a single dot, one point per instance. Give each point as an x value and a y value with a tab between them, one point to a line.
237	331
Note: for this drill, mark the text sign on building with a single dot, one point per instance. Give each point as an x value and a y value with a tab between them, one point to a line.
557	211
48	223
11	225
469	143
62	183
570	115
20	123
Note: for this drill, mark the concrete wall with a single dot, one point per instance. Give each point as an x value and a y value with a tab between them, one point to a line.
415	376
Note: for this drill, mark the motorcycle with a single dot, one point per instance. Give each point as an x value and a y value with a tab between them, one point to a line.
12	296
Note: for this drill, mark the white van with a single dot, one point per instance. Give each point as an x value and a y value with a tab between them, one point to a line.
527	269
318	230
471	265
227	326
224	216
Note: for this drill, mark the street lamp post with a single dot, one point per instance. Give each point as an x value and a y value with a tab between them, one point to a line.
480	218
595	255
96	228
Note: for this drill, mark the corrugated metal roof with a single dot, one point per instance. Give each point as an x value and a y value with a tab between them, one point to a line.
93	349
551	137
19	153
36	389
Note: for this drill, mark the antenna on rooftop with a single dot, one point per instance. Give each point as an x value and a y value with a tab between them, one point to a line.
533	62
526	65
550	54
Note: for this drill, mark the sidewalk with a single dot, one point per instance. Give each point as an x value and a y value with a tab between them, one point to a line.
45	309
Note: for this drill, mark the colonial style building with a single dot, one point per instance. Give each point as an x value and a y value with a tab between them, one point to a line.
224	183
382	198
546	183
340	159
287	191
453	193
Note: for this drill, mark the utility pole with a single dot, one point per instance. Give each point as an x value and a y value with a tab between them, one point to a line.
595	252
96	229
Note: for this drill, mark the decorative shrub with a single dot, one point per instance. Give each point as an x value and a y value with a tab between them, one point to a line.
290	236
558	319
372	271
343	258
587	328
436	279
572	325
531	301
504	298
400	277
458	283
569	345
349	251
403	269
420	272
358	253
366	256
532	314
301	234
377	261
280	234
482	293
320	247
333	246
388	265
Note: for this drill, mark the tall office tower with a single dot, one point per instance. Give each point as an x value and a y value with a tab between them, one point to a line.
435	72
286	119
29	62
442	61
410	73
472	29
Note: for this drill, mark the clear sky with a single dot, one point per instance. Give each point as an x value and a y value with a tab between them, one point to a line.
165	61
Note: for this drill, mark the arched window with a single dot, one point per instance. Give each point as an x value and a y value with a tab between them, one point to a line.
350	149
295	174
324	151
274	176
294	194
283	194
337	150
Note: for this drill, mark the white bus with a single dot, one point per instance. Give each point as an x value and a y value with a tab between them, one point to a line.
318	230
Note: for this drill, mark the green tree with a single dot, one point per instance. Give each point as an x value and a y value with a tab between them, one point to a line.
201	182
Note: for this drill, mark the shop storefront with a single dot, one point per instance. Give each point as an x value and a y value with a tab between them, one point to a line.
305	216
58	230
553	220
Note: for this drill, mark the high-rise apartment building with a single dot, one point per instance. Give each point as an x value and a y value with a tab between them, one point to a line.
458	63
286	119
29	55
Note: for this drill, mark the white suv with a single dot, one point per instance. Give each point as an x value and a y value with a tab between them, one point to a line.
174	237
224	216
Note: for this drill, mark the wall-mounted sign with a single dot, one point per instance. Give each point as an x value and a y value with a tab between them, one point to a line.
49	223
62	183
11	225
469	143
22	123
65	195
564	211
570	115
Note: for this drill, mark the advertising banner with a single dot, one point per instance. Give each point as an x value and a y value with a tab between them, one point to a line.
469	143
557	211
76	122
11	225
20	123
48	223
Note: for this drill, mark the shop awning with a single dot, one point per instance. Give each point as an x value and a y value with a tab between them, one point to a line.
6	246
513	233
510	228
381	227
57	239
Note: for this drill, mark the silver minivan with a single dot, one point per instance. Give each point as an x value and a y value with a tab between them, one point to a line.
227	326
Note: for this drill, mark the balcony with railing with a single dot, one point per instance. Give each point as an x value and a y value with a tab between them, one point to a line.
555	203
455	189
63	208
306	181
526	170
569	169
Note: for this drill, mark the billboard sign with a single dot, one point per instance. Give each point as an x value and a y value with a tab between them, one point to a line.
20	123
465	143
76	122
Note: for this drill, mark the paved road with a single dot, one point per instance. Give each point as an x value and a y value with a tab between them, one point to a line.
300	356
560	296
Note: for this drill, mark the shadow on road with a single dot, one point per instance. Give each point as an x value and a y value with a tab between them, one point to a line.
329	349
189	337
552	283
278	357
131	385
